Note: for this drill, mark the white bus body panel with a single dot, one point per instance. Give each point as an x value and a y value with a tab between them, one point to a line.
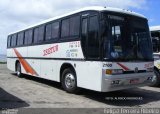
10	60
89	73
46	61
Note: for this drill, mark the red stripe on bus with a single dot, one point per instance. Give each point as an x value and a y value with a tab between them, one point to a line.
25	64
124	67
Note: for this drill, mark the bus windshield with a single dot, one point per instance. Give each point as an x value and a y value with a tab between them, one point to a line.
127	38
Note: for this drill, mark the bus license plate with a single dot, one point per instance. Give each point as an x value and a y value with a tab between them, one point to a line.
134	81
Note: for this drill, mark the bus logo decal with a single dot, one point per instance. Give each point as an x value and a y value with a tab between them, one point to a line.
50	50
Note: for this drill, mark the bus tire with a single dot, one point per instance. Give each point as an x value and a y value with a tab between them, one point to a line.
69	81
156	80
18	69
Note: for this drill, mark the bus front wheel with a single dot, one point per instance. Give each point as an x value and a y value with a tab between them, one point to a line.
69	81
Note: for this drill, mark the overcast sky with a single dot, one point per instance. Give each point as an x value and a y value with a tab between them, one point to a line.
18	14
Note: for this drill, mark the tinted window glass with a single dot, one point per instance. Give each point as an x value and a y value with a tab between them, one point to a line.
28	37
84	35
9	41
14	39
48	31
36	35
84	27
55	30
41	34
93	41
74	25
116	36
65	28
20	38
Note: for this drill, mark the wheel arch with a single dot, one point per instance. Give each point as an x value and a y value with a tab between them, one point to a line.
65	66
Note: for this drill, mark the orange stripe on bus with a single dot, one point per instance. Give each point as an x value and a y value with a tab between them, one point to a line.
25	64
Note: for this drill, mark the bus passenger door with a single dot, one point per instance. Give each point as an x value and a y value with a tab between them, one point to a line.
84	35
90	37
89	70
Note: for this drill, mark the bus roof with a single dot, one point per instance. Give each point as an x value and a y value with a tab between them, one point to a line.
155	28
93	8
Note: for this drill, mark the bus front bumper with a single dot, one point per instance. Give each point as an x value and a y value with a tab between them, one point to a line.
125	81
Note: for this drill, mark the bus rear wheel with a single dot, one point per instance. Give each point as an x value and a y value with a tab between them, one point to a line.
69	81
18	70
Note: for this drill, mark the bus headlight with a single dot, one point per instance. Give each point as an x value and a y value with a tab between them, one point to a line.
114	71
150	69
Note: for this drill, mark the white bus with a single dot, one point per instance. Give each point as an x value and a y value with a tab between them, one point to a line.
97	48
155	34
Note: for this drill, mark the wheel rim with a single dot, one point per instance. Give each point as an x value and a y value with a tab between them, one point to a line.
69	81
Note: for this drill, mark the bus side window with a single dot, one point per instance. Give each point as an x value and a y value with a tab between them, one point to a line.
41	34
74	25
55	30
65	28
14	40
20	39
28	37
52	31
93	40
36	35
9	41
48	32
